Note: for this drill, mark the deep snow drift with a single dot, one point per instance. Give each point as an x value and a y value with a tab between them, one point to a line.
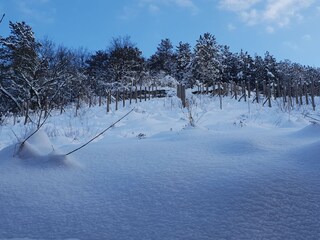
244	172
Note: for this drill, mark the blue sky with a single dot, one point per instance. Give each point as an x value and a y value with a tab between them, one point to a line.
288	29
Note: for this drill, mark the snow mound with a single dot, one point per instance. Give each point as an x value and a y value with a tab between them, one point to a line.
6	153
310	131
37	145
54	159
39	150
288	124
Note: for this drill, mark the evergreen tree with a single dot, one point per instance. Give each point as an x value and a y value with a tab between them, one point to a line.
8	93
229	63
98	72
183	64
246	67
164	59
259	69
271	67
206	67
19	56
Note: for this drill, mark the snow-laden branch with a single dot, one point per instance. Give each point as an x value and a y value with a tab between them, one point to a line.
4	91
35	91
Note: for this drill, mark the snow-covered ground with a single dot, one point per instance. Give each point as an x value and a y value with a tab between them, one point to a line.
244	172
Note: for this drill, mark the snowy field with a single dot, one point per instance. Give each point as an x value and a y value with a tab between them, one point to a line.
244	172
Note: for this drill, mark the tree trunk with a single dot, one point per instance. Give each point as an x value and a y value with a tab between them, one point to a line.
26	113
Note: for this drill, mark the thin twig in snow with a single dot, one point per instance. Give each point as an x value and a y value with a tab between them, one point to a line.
38	128
112	125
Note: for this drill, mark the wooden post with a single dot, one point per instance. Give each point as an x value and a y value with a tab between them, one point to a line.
61	106
278	88
257	91
283	92
213	89
145	94
264	88
305	88
77	105
312	95
130	95
269	96
14	118
273	90
220	94
226	89
124	98
290	95
183	96
300	92
296	91
108	101
244	91
117	99
136	94
235	91
90	101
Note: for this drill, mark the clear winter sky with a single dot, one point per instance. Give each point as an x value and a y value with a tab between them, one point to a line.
288	29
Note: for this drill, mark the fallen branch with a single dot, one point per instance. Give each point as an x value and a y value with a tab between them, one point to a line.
112	125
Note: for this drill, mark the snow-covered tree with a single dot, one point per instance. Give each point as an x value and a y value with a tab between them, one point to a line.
79	81
8	93
183	64
164	59
66	78
24	76
126	64
62	75
246	67
229	63
206	67
259	69
98	72
271	66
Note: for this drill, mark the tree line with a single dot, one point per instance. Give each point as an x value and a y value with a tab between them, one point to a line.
41	74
